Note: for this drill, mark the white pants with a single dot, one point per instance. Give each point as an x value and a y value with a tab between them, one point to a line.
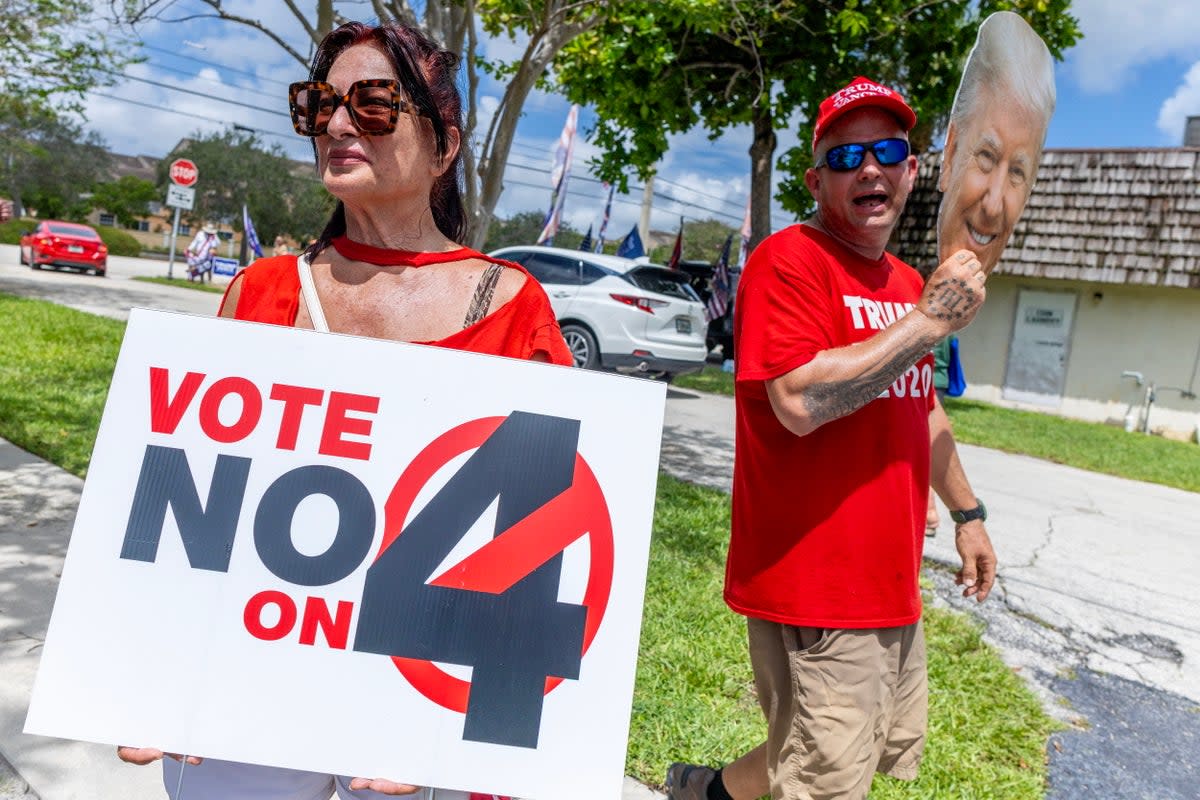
213	779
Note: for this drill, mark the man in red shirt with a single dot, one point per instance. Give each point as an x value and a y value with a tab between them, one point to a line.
837	429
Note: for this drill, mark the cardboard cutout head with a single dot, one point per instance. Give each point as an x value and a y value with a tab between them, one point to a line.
994	140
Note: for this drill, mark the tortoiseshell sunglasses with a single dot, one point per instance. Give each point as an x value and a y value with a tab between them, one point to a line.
374	106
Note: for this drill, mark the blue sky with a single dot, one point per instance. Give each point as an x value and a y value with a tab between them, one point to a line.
1131	82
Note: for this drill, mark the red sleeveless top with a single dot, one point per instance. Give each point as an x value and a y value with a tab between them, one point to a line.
525	325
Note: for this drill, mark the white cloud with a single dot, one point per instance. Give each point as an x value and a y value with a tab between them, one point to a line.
1119	36
151	119
1172	116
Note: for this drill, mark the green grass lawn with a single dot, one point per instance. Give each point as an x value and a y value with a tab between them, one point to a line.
183	283
694	698
710	379
695	702
55	366
1088	445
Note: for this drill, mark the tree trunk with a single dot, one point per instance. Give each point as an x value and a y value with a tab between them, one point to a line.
493	155
762	154
545	42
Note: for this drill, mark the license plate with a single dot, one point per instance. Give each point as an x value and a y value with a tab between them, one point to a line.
683	325
74	248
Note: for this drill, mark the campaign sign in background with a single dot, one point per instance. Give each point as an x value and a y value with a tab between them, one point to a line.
358	557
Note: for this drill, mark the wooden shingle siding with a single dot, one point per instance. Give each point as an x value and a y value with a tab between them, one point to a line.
1128	216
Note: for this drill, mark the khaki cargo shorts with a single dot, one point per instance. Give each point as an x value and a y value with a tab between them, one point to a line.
841	705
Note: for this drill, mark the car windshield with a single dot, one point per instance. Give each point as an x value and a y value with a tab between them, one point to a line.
73	230
663	281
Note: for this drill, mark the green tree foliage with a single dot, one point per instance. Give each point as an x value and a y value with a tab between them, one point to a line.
126	198
702	241
47	162
283	196
50	47
542	27
720	63
524	229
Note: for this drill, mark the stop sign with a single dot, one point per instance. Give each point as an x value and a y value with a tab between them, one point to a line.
183	172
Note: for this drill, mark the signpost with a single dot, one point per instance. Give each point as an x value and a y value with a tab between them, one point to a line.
180	195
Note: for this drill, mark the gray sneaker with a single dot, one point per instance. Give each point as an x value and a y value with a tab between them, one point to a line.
689	781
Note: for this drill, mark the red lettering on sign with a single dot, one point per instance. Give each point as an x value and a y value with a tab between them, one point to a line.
252	617
336	629
344	416
294	398
337	425
248	417
166	411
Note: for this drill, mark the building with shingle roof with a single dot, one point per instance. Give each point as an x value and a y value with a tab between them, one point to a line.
1100	277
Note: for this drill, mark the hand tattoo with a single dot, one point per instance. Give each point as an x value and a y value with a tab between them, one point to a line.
950	299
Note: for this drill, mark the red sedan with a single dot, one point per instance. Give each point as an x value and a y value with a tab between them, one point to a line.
64	244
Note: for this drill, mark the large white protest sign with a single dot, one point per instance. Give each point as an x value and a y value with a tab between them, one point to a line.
358	557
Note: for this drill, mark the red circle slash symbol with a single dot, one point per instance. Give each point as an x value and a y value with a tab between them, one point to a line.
579	511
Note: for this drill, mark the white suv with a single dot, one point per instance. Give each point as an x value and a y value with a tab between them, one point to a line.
619	313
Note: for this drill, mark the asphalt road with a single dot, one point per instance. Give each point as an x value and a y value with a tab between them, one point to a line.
111	296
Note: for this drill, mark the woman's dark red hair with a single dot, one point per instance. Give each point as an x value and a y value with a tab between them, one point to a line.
427	76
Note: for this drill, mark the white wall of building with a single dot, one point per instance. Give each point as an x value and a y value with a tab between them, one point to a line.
1152	330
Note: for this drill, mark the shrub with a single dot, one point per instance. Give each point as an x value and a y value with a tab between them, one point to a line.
119	242
10	232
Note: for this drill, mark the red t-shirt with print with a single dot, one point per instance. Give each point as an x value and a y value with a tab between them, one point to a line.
827	528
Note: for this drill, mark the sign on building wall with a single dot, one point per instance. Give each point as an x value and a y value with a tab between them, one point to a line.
1040	347
358	557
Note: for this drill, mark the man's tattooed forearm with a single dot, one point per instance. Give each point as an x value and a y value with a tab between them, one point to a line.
950	299
829	401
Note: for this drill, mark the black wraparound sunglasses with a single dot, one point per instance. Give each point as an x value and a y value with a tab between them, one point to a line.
845	157
374	106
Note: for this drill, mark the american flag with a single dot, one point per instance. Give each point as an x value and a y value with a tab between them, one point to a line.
718	298
559	176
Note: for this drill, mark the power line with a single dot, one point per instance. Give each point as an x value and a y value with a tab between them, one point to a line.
511	162
187	114
658	178
201	94
187	74
213	64
658	195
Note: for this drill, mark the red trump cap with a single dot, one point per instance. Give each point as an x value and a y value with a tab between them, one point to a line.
861	93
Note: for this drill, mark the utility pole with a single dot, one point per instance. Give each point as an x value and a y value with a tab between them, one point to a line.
644	223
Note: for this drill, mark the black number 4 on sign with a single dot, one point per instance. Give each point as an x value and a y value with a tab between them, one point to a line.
513	640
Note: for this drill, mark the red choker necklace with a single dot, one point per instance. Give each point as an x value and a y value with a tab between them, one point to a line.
387	257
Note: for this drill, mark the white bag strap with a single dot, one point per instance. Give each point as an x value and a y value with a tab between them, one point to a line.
310	294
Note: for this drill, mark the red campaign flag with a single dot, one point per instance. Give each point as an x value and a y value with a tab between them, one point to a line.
677	252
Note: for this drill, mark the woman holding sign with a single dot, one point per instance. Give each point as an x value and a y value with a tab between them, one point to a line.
385	118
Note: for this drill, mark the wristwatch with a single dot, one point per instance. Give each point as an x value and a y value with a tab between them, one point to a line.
979	512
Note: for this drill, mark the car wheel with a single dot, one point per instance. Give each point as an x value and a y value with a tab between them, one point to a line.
21	255
583	346
100	272
33	262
